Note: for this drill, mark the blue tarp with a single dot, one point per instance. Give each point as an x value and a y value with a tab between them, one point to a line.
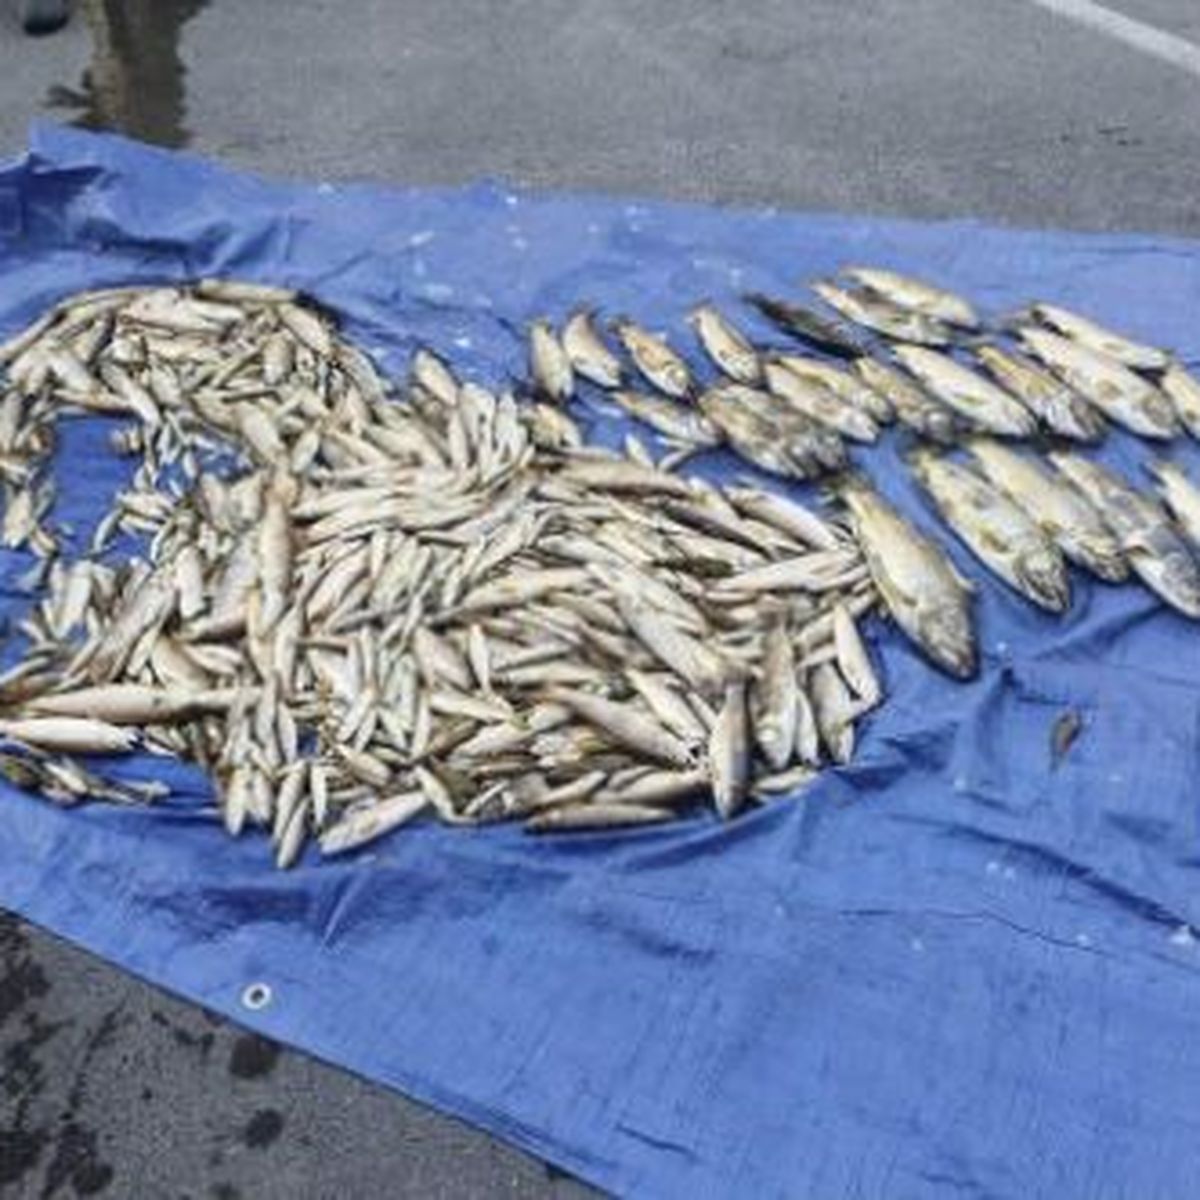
949	969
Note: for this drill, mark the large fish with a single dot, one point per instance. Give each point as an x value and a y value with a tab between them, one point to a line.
850	388
1096	337
916	295
1000	533
869	310
1062	511
588	354
926	596
818	403
1055	404
656	361
1121	395
726	345
1181	495
1183	391
1156	552
802	323
980	401
914	408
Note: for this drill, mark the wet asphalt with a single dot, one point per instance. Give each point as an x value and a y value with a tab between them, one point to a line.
988	108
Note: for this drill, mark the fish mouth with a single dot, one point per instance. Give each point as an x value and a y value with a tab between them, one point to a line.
1109	567
1046	585
947	641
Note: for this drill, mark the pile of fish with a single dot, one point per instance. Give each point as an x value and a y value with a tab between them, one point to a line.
913	353
356	608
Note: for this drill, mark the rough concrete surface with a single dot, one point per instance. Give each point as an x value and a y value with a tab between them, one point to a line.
990	108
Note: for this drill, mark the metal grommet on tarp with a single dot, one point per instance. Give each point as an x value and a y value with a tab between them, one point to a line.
257	996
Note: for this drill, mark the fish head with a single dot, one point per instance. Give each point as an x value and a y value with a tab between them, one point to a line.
1104	560
828	449
942	426
677	377
1041	570
1157	409
948	639
21	772
1083	421
1180	580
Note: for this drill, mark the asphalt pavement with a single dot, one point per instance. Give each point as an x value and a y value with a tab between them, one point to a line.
999	109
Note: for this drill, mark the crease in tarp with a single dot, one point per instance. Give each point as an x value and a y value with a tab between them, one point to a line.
956	964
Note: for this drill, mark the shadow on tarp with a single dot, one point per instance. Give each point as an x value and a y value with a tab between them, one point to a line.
954	967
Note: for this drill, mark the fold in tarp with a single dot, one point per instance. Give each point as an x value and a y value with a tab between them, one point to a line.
951	968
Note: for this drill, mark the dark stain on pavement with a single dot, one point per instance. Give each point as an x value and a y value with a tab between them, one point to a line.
200	1042
135	81
20	1150
253	1057
264	1128
76	1161
21	979
100	1037
74	1158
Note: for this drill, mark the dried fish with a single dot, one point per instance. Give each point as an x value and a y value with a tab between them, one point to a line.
980	401
1060	509
354	610
800	322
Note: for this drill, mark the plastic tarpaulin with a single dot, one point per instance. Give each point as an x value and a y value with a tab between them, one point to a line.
951	968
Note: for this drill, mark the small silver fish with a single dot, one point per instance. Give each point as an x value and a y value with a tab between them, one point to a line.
654	359
588	354
726	345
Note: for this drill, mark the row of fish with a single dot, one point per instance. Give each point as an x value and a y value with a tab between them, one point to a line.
1046	370
355	609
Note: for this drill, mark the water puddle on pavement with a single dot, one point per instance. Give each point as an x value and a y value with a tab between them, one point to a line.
135	82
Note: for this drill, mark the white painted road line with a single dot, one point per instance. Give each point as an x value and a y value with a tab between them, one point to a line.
1149	39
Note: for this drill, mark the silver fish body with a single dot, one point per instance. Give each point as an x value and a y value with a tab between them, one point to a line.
1056	405
1096	337
550	365
869	310
912	406
977	399
915	294
729	752
1181	495
818	403
588	355
726	345
1157	553
1121	395
1183	391
654	359
1062	511
1000	533
925	595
